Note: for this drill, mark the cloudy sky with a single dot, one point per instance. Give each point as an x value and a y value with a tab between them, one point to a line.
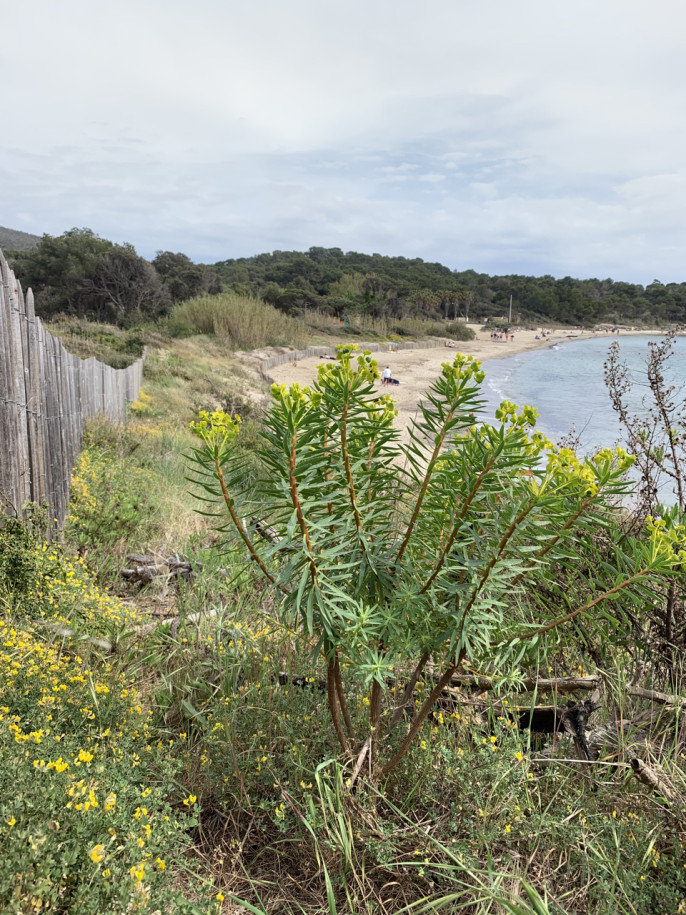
508	136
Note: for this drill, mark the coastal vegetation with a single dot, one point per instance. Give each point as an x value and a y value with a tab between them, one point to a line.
431	677
209	739
80	274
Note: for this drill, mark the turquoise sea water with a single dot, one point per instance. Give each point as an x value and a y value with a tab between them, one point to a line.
565	383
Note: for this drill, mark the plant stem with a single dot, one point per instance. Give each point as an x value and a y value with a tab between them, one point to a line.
419	720
374	714
496	556
298	510
565	527
333	706
570	616
456	527
346	465
341	697
409	689
424	487
239	527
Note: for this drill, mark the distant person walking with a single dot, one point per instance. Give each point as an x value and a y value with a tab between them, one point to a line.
386	376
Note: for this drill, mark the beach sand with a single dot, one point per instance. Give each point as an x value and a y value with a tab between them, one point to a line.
416	369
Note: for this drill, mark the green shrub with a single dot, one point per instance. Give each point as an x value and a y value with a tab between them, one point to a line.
388	555
85	785
17	556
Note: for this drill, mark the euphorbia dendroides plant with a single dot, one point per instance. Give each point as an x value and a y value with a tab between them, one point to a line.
389	555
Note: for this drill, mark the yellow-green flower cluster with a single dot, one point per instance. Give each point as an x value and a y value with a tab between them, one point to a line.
367	366
667	539
507	414
216	429
141	405
382	409
463	368
618	457
295	395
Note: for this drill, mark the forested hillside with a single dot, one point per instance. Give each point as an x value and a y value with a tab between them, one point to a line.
13	239
79	273
399	286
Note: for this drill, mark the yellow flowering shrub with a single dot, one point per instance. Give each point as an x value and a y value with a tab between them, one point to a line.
77	751
110	500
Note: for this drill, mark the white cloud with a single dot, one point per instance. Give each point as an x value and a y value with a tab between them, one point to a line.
527	136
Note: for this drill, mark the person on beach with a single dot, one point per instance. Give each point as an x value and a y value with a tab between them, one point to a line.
386	376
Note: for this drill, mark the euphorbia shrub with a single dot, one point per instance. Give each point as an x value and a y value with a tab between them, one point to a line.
390	554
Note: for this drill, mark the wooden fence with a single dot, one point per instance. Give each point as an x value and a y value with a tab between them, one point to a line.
46	394
330	351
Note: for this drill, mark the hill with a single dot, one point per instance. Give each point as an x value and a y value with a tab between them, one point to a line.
341	283
14	240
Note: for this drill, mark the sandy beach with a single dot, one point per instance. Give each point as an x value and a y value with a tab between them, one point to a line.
416	369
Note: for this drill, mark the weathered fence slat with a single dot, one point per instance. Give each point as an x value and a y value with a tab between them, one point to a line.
46	395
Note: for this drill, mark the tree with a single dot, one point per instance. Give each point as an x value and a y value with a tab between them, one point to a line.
81	274
183	278
389	555
129	285
58	270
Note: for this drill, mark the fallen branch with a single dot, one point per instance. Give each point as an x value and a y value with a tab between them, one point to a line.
654	778
147	568
263	529
176	622
366	746
67	633
529	684
583	762
655	696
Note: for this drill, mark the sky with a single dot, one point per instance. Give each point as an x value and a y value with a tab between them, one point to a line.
506	136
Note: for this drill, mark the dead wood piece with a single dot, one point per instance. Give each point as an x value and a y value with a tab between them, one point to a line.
574	722
530	684
654	778
265	531
143	574
141	559
656	696
366	747
176	622
66	633
301	681
148	571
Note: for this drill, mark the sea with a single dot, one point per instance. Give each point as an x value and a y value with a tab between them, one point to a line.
566	385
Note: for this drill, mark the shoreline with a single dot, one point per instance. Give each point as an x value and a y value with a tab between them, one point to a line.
416	369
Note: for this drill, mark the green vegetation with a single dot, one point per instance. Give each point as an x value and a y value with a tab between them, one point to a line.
108	343
80	274
92	809
246	322
384	573
326	278
174	746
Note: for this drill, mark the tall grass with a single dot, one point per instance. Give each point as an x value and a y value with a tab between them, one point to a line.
245	322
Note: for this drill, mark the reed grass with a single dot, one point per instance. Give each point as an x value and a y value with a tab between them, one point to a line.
244	322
